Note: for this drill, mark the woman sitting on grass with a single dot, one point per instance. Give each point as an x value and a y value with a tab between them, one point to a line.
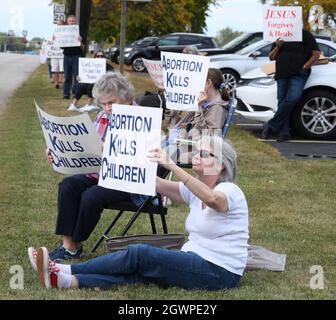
214	257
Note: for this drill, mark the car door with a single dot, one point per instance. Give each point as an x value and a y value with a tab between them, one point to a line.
166	43
258	57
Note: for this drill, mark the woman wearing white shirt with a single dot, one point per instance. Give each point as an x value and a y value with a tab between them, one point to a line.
213	258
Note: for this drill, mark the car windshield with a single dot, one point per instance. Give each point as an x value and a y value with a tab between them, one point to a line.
251	47
235	41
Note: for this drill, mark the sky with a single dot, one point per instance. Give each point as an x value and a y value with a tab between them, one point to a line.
36	16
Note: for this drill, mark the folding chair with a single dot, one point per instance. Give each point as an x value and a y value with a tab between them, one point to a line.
232	108
146	207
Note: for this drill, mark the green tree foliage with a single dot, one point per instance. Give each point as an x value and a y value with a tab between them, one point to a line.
145	19
329	6
226	35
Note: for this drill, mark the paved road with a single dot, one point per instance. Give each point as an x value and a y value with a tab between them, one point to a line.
15	69
295	148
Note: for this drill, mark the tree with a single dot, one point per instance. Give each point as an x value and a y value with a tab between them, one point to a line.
226	35
146	19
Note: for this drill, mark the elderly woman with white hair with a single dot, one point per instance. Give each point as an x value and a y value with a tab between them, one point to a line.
80	199
214	257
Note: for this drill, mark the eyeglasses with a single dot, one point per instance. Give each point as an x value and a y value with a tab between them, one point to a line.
203	153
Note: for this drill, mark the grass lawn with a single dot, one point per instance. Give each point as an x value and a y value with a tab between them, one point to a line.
292	209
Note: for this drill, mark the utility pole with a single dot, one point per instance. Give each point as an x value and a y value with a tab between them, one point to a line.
123	32
122	35
78	7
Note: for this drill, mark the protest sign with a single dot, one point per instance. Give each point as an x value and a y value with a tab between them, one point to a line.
154	68
67	36
91	69
282	22
52	51
132	131
184	77
73	142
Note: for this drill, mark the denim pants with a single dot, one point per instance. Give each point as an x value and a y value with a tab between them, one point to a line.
289	93
141	263
70	65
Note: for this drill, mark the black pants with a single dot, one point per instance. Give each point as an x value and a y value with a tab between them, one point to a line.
83	88
80	204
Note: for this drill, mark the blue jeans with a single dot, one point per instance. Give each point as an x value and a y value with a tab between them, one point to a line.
289	94
141	263
70	65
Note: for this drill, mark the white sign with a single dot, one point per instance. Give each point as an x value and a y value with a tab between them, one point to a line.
67	36
91	69
282	22
132	132
184	77
154	68
59	12
73	142
52	51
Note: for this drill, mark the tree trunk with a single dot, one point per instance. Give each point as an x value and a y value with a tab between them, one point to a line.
85	12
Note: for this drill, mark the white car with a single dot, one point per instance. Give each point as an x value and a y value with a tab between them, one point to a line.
315	114
233	66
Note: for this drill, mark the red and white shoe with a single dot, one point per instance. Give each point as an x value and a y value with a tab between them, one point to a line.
46	269
32	254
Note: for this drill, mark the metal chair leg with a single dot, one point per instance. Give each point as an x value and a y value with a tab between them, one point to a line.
104	235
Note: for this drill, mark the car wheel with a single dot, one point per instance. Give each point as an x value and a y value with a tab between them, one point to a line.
138	65
315	115
231	78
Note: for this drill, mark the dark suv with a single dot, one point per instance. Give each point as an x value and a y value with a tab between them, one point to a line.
238	43
114	52
173	42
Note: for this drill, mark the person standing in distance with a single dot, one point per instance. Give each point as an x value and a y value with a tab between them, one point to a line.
71	58
293	61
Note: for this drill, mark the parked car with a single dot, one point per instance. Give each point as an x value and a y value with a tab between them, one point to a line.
253	56
173	42
313	117
113	53
238	43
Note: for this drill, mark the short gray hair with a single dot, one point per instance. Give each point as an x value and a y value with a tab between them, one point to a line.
224	151
191	50
113	84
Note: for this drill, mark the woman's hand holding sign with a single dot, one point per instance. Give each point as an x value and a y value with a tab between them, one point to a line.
161	157
49	156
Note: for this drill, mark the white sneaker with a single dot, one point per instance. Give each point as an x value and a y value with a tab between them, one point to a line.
73	108
88	108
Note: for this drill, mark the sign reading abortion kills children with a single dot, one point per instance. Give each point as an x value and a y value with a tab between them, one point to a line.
184	77
132	131
67	36
52	51
73	142
90	70
282	22
154	68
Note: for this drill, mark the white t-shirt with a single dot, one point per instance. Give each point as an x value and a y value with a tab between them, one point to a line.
218	237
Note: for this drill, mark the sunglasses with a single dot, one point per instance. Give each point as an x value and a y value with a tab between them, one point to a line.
203	154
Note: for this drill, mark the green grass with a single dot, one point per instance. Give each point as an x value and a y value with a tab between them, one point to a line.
291	202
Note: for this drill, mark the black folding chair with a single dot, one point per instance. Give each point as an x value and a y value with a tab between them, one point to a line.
129	206
225	129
